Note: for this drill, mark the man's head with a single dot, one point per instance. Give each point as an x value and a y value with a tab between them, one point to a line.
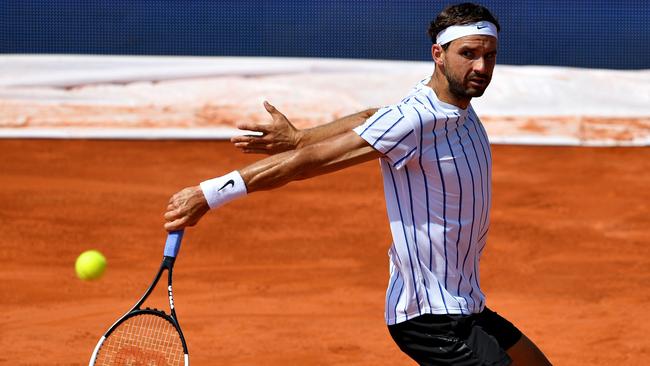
464	48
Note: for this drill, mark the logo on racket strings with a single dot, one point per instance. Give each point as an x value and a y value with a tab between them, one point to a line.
171	297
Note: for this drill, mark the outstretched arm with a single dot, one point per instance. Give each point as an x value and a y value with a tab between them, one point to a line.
280	135
343	150
333	154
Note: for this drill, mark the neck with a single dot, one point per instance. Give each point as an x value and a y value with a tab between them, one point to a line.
440	86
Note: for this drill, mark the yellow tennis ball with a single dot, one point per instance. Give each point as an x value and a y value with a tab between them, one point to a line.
90	265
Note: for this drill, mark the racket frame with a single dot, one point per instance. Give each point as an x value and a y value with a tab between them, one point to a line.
171	250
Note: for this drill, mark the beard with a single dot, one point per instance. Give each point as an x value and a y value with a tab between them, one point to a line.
458	89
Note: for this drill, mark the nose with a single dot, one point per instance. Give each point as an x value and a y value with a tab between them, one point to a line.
479	66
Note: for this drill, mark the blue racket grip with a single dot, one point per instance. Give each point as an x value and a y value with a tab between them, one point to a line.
173	244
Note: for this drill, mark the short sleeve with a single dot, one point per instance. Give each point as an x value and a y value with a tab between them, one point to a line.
391	133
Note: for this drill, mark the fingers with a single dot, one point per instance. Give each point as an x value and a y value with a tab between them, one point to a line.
185	208
255	127
174	216
276	136
254	145
176	224
269	108
171	214
254	148
274	112
263	128
176	220
249	139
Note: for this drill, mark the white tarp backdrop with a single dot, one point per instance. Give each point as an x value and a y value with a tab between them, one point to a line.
59	96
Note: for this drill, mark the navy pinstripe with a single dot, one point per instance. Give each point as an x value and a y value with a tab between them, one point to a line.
401	290
398	142
388	130
471	230
405	156
405	236
480	140
489	154
375	121
460	190
484	229
444	201
460	203
471	291
478	162
390	292
426	197
415	234
488	157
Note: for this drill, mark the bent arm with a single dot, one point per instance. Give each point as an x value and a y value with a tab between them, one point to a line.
338	152
320	133
186	207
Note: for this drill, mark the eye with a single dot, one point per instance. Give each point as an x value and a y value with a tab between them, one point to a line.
468	54
491	56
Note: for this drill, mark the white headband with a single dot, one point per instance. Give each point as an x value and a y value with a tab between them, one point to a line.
456	31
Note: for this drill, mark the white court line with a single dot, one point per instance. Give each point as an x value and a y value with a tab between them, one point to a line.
217	133
225	133
565	141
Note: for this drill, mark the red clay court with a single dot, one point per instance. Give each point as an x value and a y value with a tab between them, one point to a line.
298	276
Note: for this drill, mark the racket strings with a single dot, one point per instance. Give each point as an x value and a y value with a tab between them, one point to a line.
143	340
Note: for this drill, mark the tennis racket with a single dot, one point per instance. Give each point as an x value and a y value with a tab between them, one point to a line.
147	336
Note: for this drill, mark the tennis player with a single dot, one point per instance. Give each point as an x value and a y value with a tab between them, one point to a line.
436	166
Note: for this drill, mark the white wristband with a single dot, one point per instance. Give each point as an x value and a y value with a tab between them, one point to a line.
221	190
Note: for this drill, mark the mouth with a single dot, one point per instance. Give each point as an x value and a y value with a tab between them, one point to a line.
478	82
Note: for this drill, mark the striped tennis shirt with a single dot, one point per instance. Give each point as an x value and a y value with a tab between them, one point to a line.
436	170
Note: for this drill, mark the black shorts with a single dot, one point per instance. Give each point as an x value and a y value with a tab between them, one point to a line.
477	339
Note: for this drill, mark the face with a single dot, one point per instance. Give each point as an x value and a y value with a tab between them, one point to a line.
468	63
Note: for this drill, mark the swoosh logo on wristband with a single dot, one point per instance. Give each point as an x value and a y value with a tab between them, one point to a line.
230	182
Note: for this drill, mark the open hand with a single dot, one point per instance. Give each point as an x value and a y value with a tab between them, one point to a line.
277	136
185	208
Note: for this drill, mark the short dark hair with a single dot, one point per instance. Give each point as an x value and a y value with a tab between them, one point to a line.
460	14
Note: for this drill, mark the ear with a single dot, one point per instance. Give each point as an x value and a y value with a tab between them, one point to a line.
436	54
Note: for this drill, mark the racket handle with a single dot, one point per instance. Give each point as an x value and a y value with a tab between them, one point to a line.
173	244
